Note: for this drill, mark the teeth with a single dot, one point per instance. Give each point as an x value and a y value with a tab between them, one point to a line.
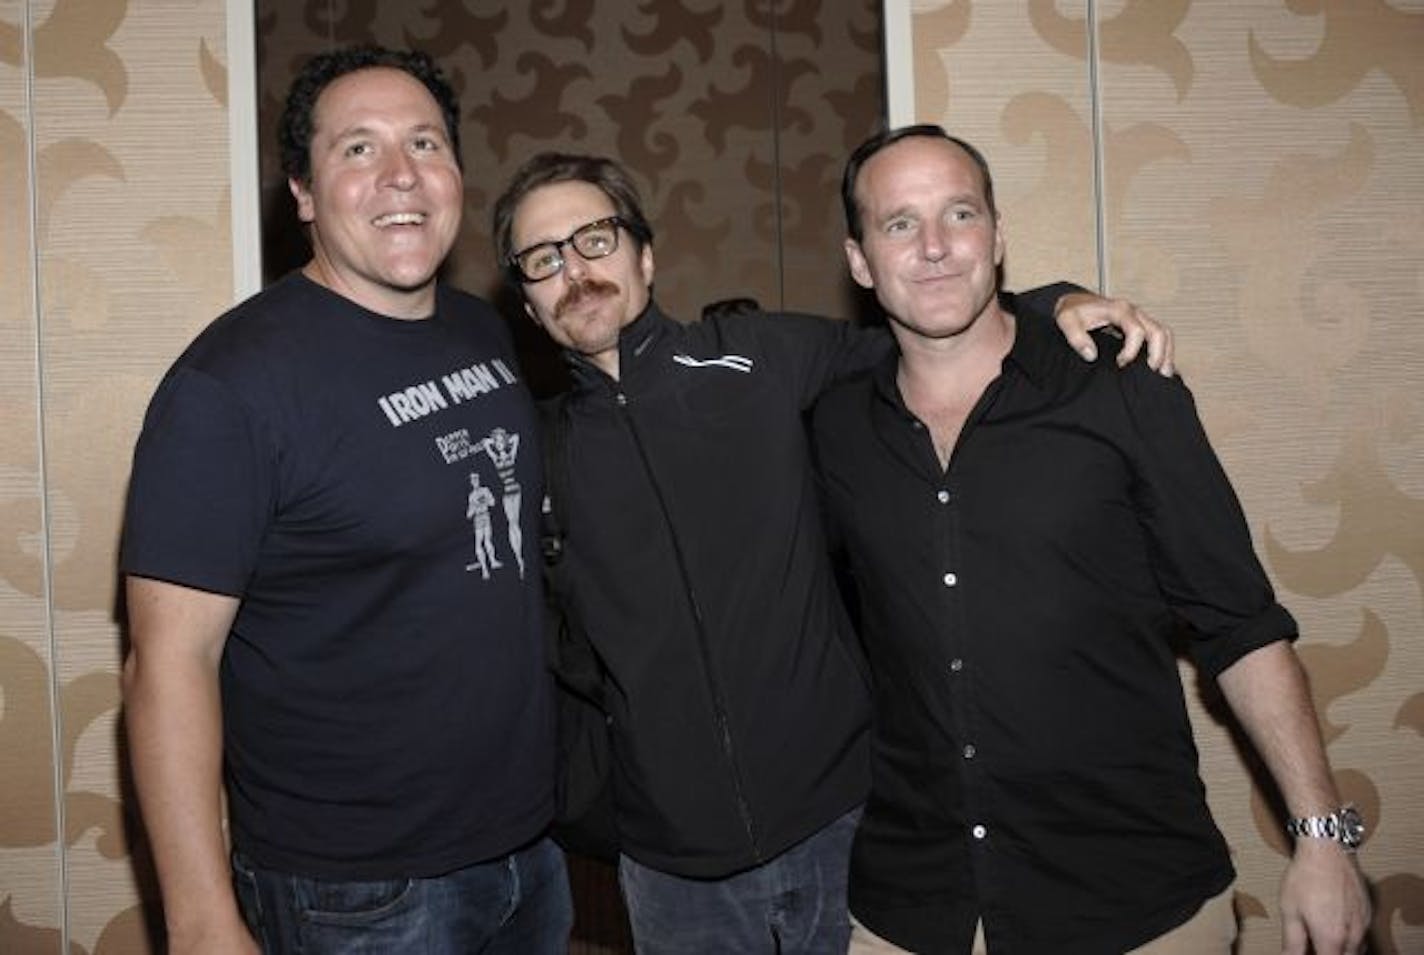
400	218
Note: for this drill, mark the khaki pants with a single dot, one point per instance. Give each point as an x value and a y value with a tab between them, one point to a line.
1212	931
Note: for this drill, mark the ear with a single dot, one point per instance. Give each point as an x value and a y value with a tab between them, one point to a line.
306	209
998	239
645	264
859	268
529	310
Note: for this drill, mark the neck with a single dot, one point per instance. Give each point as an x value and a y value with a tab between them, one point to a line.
400	304
941	380
956	364
606	362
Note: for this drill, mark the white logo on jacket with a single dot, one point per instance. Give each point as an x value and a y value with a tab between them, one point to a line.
734	362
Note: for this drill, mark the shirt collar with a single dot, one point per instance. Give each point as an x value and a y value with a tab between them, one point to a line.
1038	344
1036	347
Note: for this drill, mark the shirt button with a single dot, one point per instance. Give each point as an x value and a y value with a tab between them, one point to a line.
943	497
969	751
950	580
956	664
979	832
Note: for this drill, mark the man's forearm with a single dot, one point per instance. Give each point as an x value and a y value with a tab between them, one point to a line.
1267	692
1324	905
173	720
175	739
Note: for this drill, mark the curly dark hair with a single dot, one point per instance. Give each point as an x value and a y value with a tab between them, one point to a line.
551	167
295	130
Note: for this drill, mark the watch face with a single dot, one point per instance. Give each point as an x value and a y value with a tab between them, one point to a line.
1352	827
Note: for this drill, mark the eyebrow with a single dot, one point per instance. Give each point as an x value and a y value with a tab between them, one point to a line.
362	129
912	212
899	212
604	217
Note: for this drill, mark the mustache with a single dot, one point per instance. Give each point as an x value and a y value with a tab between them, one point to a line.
578	292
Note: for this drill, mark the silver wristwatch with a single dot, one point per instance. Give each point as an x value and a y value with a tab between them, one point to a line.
1344	825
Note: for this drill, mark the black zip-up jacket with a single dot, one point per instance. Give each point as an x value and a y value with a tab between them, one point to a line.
695	562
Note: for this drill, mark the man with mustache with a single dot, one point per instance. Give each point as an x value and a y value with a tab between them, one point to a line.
694	564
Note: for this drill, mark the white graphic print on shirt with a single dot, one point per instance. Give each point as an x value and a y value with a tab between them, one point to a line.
500	446
503	449
427	397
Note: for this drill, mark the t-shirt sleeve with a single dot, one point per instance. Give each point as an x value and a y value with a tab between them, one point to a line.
202	489
1200	543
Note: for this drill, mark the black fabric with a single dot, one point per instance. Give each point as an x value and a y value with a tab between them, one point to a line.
386	708
696	565
584	820
1018	611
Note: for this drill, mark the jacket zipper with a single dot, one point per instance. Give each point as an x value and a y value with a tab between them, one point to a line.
719	707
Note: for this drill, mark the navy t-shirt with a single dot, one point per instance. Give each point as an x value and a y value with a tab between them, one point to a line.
369	488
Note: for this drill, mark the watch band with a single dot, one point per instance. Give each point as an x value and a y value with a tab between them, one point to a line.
1344	826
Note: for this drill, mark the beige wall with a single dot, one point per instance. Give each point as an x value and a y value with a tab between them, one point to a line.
1262	190
114	249
1264	178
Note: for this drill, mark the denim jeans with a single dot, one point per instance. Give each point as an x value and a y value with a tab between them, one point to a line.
515	905
796	903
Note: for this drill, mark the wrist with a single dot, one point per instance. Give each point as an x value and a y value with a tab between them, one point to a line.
1344	827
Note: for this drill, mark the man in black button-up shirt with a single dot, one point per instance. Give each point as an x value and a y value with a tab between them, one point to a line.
1025	532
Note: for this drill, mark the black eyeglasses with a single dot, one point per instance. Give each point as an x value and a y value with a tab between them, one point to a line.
546	260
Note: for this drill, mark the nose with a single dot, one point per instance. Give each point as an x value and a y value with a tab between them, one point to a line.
575	265
399	170
932	242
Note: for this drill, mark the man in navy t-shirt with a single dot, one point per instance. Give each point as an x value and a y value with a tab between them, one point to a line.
307	622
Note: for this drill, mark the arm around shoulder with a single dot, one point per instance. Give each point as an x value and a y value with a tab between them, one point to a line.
173	719
1078	311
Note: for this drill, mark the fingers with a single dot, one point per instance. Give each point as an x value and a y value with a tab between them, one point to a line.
1293	936
1139	329
1159	344
1134	334
1079	312
1080	341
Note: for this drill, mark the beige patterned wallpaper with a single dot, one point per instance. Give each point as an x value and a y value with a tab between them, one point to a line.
1253	172
1263	177
114	249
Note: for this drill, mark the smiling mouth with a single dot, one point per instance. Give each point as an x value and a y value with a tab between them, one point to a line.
398	218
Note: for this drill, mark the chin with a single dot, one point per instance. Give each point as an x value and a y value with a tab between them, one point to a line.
412	279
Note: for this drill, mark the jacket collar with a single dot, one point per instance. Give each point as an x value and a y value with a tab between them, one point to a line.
638	342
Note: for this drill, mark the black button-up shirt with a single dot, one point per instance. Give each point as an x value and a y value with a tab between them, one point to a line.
1033	760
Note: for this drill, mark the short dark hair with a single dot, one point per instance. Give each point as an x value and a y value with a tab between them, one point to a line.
294	132
890	137
550	167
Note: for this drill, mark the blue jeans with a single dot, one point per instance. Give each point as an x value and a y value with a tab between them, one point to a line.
796	903
515	905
